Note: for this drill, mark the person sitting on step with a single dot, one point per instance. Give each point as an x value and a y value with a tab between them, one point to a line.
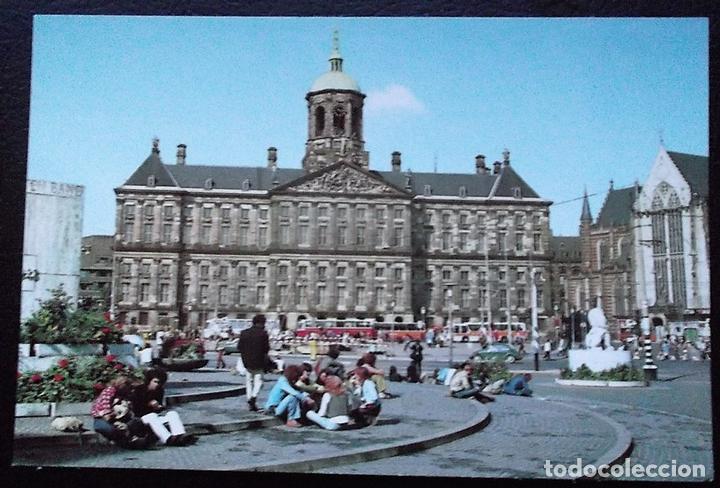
335	406
285	401
364	388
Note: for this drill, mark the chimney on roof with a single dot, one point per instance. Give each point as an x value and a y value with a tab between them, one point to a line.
480	167
496	167
396	162
272	157
506	157
181	153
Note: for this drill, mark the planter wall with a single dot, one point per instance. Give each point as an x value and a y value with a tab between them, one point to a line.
46	350
47	355
596	383
23	350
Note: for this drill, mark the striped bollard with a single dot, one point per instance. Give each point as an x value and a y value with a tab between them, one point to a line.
650	368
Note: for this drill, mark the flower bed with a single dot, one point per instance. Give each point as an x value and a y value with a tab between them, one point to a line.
73	379
620	373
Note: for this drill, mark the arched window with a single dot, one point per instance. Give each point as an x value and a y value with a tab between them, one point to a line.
319	121
339	120
602	254
356	121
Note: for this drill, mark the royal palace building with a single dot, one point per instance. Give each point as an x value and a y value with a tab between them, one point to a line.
332	239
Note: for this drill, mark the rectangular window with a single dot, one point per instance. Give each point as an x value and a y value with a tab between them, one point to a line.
537	244
302	271
446	274
187	212
204	271
521	297
463	241
164	293
167	233
225	235
322	235
205	234
244	213
380	296
145	292
129	211
285	234
263	214
261	292
125	293
360	236
147	232
446	219
321	295
284	211
482	298
303	211
380	213
322	211
463	219
145	269
225	213
381	236
283	294
129	231
379	272
242	295
399	213
206	213
360	213
360	273
482	275
186	292
342	213
502	275
149	210
164	269
243	235
340	271
464	275
519	241
501	237
398	236
446	239
168	212
465	298
360	296
261	272
502	294
480	219
224	272
322	272
398	297
302	294
187	233
341	296
303	235
521	275
242	272
481	242
282	272
262	236
398	274
342	235
539	298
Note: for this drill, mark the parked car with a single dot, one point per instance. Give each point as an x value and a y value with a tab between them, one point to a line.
496	352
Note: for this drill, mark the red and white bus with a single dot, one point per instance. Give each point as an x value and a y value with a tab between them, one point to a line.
400	331
336	328
500	331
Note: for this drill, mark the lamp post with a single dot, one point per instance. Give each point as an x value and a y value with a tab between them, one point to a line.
572	327
451	332
392	323
534	321
423	311
650	368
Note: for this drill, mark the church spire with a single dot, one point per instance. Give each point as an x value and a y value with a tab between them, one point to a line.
586	216
336	59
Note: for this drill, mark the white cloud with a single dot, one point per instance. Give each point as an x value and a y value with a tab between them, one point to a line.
394	99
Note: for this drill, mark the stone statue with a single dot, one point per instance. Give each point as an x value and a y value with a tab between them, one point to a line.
598	335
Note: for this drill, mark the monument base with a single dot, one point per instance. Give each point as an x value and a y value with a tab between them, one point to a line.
598	360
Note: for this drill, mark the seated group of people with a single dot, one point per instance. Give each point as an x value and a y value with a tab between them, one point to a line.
333	400
132	415
462	384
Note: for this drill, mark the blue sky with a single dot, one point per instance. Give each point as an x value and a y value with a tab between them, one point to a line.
578	102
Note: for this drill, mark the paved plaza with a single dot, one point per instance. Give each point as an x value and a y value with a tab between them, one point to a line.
424	431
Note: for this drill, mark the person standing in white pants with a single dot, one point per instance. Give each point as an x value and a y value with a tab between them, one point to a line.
147	403
254	346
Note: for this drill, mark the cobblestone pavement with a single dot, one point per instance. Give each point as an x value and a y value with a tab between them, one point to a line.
245	449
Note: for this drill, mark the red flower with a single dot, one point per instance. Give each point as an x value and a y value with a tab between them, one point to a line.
58	377
106	330
110	358
98	387
63	363
119	366
36	378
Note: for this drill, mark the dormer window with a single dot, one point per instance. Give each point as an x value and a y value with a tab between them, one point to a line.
209	184
151	180
463	191
427	190
516	192
246	184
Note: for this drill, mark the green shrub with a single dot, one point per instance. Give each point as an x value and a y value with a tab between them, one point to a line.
619	373
492	371
73	379
58	322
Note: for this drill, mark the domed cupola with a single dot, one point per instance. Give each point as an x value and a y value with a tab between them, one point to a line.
335	105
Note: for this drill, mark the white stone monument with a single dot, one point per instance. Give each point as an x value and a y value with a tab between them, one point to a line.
599	355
